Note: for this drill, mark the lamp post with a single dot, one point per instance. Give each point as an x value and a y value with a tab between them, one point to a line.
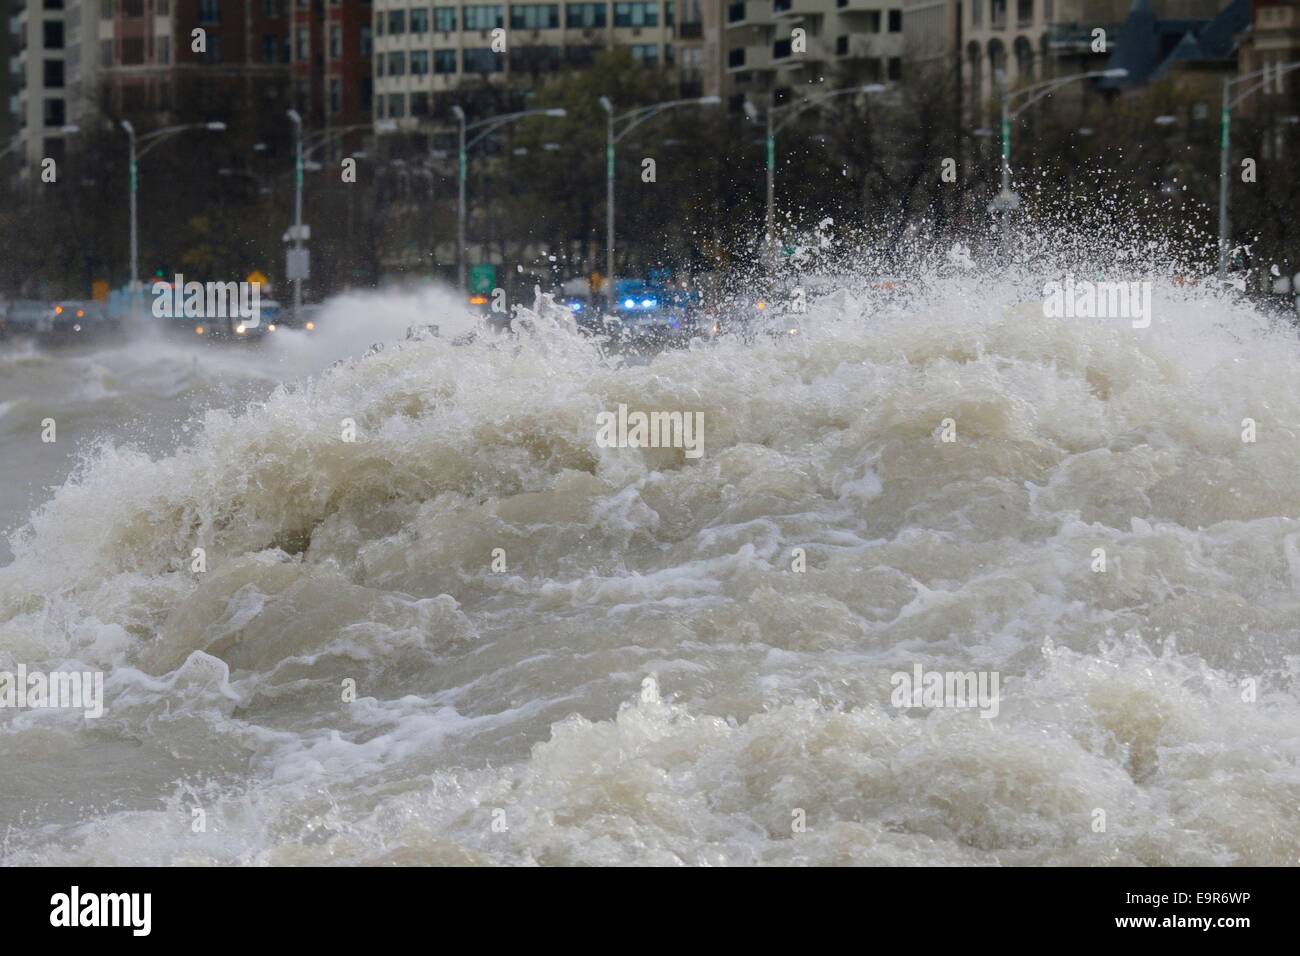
787	113
1258	79
296	119
323	138
67	130
632	119
485	127
1006	200
151	140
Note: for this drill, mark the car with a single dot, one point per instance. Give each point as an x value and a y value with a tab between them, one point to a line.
650	310
24	315
70	319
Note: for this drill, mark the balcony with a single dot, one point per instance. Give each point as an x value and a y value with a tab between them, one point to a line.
856	46
755	59
783	54
878	7
754	13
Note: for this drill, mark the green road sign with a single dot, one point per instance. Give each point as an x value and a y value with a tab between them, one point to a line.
482	278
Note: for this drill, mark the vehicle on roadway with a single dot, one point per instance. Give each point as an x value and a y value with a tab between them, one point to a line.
644	309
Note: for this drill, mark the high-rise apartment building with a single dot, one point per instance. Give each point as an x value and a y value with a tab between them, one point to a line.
782	45
331	42
424	50
52	70
192	56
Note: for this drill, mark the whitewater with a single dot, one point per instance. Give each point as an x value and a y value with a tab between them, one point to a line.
476	635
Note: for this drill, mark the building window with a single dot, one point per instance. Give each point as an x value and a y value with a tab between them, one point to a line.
132	51
55	113
367	44
419	62
336	41
302	48
636	14
444	19
106	9
53	34
444	61
397	64
976	13
419	104
646	53
163	50
480	59
106	52
336	95
895	68
534	16
209	11
270	42
535	59
396	105
736	57
585	15
483	18
396	22
895	21
53	74
420	20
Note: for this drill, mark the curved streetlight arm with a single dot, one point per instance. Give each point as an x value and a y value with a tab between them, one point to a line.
797	108
325	137
156	137
492	123
635	118
1265	76
1048	87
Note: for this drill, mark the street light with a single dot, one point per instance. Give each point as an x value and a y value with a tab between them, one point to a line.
153	139
18	140
789	112
1264	76
300	165
486	127
633	119
296	119
1007	200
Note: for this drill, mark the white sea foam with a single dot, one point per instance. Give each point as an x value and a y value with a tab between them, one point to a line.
505	715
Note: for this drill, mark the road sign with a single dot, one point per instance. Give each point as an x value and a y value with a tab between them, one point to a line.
482	278
298	264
